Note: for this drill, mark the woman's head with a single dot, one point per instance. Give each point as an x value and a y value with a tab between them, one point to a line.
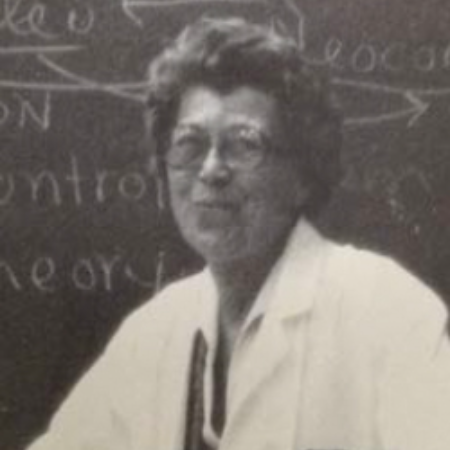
238	99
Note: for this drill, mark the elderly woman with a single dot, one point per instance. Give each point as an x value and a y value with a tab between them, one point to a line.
286	341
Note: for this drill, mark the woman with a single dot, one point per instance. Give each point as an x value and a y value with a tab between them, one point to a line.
286	340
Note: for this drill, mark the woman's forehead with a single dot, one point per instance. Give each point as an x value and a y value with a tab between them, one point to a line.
243	105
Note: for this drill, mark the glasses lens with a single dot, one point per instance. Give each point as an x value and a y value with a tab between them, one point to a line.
187	147
246	146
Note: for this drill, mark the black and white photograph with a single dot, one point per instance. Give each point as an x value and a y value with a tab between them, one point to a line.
225	225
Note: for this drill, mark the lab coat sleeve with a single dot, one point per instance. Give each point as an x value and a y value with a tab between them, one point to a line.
114	398
415	400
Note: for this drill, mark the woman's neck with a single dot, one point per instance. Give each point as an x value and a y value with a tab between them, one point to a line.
238	283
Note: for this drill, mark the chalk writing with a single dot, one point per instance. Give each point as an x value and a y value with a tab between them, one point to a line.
29	19
83	275
132	186
44	183
107	265
42	272
75	179
24	23
129	6
366	58
81	23
28	111
69	185
153	282
10	275
96	272
22	111
360	58
392	57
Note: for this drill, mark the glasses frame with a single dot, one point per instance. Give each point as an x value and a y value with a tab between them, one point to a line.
241	147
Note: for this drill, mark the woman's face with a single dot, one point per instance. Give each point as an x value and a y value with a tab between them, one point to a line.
235	192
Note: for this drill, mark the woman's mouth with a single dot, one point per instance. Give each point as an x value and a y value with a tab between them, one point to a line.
215	205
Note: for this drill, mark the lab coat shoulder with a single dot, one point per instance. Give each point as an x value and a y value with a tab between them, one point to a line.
111	405
406	323
384	293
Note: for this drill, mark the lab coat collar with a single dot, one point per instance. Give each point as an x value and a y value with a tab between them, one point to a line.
290	287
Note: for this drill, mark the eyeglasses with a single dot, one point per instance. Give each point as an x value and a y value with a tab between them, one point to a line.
240	146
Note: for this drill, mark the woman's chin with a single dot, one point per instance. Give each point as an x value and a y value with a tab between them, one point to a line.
215	246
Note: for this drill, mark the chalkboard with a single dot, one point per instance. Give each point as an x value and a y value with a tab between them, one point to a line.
80	229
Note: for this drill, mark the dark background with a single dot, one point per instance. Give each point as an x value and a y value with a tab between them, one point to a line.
80	232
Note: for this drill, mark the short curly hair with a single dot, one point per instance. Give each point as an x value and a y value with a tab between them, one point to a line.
228	53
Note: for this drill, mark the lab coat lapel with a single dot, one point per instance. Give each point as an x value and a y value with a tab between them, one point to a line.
175	364
256	365
288	295
172	389
252	409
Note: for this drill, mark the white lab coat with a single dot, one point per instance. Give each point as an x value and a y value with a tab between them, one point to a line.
343	349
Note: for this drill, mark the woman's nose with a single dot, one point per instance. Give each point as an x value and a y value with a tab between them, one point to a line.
214	170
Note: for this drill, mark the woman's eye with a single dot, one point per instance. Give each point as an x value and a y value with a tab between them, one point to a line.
187	140
186	147
250	140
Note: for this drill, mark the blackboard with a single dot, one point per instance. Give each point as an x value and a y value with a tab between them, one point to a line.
80	235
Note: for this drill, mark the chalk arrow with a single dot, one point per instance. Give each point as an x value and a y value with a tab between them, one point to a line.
134	91
371	86
416	109
293	9
128	10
